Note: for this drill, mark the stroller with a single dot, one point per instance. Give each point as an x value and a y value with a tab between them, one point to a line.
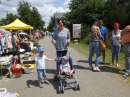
64	77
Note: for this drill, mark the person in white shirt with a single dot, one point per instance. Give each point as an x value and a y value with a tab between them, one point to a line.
65	67
115	39
40	66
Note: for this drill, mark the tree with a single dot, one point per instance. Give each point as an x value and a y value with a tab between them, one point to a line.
51	25
115	13
24	10
82	11
30	15
126	2
37	19
8	19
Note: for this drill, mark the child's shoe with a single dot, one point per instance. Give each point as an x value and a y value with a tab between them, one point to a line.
47	82
40	85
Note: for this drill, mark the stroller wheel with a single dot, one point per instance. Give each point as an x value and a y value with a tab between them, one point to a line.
75	87
62	89
78	86
59	90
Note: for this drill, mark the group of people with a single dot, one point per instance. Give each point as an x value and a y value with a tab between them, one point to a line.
39	34
116	37
61	40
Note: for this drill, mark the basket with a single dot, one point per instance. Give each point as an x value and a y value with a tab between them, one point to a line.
28	69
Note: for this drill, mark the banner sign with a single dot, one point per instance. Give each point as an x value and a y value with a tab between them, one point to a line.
76	30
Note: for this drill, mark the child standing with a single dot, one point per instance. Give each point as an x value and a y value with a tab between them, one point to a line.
40	66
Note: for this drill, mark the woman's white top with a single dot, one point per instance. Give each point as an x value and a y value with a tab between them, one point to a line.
116	38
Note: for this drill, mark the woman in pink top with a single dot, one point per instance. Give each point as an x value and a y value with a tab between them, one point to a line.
37	34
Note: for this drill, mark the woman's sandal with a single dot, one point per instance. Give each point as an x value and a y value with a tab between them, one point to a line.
117	65
111	64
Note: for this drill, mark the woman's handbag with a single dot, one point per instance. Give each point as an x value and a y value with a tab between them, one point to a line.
102	45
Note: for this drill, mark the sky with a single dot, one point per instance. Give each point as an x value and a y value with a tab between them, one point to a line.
46	8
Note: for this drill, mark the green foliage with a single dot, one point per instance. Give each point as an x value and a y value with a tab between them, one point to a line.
51	25
8	19
83	10
26	13
115	13
109	11
30	15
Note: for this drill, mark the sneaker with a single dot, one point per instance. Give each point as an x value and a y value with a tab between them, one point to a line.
126	75
94	68
97	69
40	85
111	64
117	65
47	82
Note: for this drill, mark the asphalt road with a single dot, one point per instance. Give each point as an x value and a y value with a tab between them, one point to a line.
93	84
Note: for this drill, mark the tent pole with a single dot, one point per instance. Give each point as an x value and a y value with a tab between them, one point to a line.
30	31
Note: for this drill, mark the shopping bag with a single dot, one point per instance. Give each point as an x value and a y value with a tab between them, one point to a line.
102	45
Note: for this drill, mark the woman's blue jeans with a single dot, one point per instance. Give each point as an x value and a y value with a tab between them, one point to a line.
115	52
94	45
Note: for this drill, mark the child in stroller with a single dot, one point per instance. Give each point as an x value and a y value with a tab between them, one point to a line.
65	66
65	71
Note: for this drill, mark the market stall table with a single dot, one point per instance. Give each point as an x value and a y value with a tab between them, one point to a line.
5	63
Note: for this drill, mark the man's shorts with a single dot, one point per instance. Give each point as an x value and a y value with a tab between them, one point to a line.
41	73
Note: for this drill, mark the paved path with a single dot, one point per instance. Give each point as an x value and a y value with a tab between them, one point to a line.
93	84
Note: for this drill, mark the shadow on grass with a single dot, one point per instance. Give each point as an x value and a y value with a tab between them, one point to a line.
104	63
93	62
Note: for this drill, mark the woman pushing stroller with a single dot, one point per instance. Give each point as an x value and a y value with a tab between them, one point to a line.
61	39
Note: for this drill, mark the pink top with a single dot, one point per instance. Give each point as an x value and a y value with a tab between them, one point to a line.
36	34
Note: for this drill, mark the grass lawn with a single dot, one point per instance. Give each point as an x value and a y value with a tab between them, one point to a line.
117	71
